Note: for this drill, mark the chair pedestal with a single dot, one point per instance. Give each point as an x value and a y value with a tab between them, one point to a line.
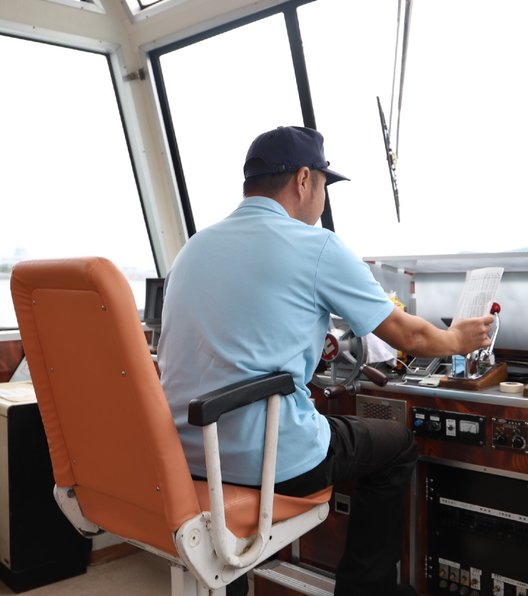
183	583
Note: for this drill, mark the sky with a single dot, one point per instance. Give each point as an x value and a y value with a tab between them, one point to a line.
67	181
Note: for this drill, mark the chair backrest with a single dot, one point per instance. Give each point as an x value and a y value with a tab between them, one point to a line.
109	427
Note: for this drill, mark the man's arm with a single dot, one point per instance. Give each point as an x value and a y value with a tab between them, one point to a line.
416	336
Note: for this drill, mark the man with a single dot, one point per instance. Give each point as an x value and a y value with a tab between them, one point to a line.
253	294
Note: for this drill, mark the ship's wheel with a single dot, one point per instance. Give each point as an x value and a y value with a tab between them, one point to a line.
343	356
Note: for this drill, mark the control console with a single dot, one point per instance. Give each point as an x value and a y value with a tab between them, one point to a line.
449	426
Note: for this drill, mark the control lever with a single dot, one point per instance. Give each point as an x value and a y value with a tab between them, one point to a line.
487	353
478	361
373	374
334	390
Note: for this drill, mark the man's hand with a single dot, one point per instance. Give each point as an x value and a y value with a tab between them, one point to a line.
416	336
472	333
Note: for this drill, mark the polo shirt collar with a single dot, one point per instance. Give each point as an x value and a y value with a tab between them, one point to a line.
264	203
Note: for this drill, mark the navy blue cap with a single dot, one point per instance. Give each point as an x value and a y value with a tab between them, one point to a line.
286	149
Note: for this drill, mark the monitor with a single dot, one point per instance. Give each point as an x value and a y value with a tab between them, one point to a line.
153	307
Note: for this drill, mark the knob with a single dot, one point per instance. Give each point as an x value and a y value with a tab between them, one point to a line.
501	439
374	375
334	390
518	442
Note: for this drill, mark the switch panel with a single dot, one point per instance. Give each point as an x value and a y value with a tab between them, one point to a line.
449	426
509	434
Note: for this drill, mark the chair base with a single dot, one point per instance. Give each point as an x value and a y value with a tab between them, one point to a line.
195	547
183	583
293	577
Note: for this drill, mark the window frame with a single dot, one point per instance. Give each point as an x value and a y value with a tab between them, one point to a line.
109	52
289	11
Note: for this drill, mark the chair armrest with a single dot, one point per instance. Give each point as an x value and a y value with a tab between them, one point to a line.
208	408
205	411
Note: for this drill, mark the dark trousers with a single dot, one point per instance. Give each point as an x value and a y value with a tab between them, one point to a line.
379	457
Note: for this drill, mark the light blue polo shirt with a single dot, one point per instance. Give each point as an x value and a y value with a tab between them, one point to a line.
247	296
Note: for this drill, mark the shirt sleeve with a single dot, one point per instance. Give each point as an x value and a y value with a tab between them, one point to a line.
345	286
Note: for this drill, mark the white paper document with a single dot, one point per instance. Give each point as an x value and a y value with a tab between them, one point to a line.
479	292
15	392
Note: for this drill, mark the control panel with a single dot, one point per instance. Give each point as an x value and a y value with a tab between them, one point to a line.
449	426
477	533
509	434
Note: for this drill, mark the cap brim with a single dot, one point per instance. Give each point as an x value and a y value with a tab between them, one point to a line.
332	176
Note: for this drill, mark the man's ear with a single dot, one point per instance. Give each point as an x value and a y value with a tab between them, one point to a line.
301	177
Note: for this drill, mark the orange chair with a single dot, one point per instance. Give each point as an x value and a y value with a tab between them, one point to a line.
117	458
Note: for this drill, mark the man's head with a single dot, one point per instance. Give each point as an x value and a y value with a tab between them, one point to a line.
286	149
288	164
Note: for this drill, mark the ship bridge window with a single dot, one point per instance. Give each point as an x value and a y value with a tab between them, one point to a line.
222	92
223	87
90	5
68	187
462	157
458	137
138	8
146	3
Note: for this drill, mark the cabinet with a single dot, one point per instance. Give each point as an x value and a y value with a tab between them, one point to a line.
37	543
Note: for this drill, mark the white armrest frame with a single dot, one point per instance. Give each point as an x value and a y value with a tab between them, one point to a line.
205	412
221	537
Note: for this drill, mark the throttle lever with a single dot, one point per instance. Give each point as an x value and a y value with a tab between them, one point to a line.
375	375
488	352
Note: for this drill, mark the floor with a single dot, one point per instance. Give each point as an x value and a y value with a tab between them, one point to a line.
138	574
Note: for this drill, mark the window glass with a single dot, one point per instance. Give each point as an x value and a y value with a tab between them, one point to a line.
463	137
136	5
90	5
68	187
349	50
460	168
223	92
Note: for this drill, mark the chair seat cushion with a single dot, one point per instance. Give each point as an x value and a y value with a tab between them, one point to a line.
241	506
